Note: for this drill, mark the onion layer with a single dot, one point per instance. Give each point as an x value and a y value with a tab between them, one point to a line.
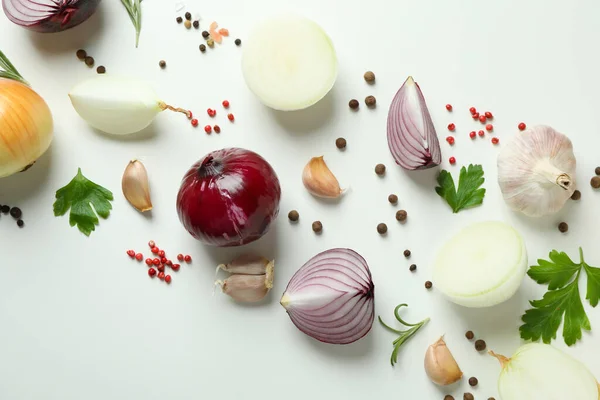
47	16
411	135
25	127
331	297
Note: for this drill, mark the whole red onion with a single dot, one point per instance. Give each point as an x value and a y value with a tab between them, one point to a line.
49	16
229	198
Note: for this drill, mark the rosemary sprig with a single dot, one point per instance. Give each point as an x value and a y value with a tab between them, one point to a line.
404	335
8	71
134	9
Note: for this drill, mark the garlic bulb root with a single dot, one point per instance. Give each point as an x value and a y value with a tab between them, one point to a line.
440	365
319	180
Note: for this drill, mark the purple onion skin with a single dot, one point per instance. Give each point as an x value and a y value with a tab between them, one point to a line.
229	198
68	14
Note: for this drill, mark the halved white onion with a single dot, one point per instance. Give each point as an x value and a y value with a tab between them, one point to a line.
481	266
289	63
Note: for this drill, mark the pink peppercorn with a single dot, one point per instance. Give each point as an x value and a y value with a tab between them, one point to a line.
522	126
481	133
449	107
451	127
168	278
131	253
488	115
139	257
208	129
156	261
495	140
187	258
475	116
473	110
230	117
175	267
194	122
482	119
151	272
148	261
161	276
452	160
489	127
472	134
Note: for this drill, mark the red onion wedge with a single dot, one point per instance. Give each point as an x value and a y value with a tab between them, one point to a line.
47	16
332	297
410	132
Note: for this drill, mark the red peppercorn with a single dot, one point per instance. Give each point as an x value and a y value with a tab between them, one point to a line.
154	250
139	257
131	253
187	258
211	112
151	272
475	116
495	140
156	261
194	122
180	257
151	244
522	126
225	103
451	127
488	115
161	276
175	267
449	107
481	133
168	278
450	140
473	110
482	119
230	117
489	127
163	260
161	253
472	134
207	129
148	261
160	267
452	160
169	263
190	115
217	129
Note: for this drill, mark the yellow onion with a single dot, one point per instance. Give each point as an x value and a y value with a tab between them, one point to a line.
25	127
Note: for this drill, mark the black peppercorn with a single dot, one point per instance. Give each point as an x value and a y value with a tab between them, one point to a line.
353	104
369	77
162	64
81	54
188	16
380	169
595	182
238	42
293	215
468	396
340	143
491	398
196	24
392	198
16	212
563	227
406	253
480	345
382	228
370	101
101	69
20	223
469	335
428	285
202	48
401	215
317	226
205	34
448	397
473	381
5	209
412	268
576	195
89	61
179	20
597	170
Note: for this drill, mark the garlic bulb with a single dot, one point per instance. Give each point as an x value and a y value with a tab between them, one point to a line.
440	365
251	278
540	371
117	105
536	171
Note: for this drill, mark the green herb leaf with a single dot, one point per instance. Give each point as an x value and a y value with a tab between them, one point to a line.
404	335
79	196
562	299
134	9
8	70
469	193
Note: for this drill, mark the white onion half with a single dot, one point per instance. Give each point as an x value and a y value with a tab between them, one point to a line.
289	63
481	266
542	372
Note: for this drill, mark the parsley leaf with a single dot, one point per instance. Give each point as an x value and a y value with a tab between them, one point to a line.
79	196
468	194
562	299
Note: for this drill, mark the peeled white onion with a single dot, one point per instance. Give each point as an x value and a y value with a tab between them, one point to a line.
481	266
289	63
542	372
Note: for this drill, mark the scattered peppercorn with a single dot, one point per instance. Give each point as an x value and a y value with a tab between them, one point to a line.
293	215
217	129
450	140
151	272
187	258
522	126
491	398
151	244
162	64
160	268
488	115
188	16
238	42
563	227
413	267
370	101
89	61
179	20
495	140
597	170
448	397
211	113
16	212
469	335
475	116
392	198
317	226
489	127
161	275
175	267
451	127
468	396
5	209
473	134
353	104
369	77
452	160
340	143
428	285
148	261
205	34
595	182
230	117
380	169
202	48
161	254
187	24
449	107
196	24
155	261
382	228
401	215
576	195
480	345
208	129
131	253
210	43
154	250
101	69
473	110
168	277
481	133
225	103
482	119
180	257
81	54
20	223
473	381
139	256
406	253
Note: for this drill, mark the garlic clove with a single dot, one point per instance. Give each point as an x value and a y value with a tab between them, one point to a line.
440	365
247	288
248	264
135	186
319	180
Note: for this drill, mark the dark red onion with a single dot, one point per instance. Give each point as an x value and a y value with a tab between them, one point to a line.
229	198
332	297
411	135
47	16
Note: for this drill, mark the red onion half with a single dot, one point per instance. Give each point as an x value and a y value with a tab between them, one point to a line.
332	297
229	198
47	16
411	135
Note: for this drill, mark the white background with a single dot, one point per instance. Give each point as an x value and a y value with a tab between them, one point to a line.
79	320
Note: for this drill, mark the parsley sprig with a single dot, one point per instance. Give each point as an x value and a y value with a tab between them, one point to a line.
468	194
562	299
404	335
